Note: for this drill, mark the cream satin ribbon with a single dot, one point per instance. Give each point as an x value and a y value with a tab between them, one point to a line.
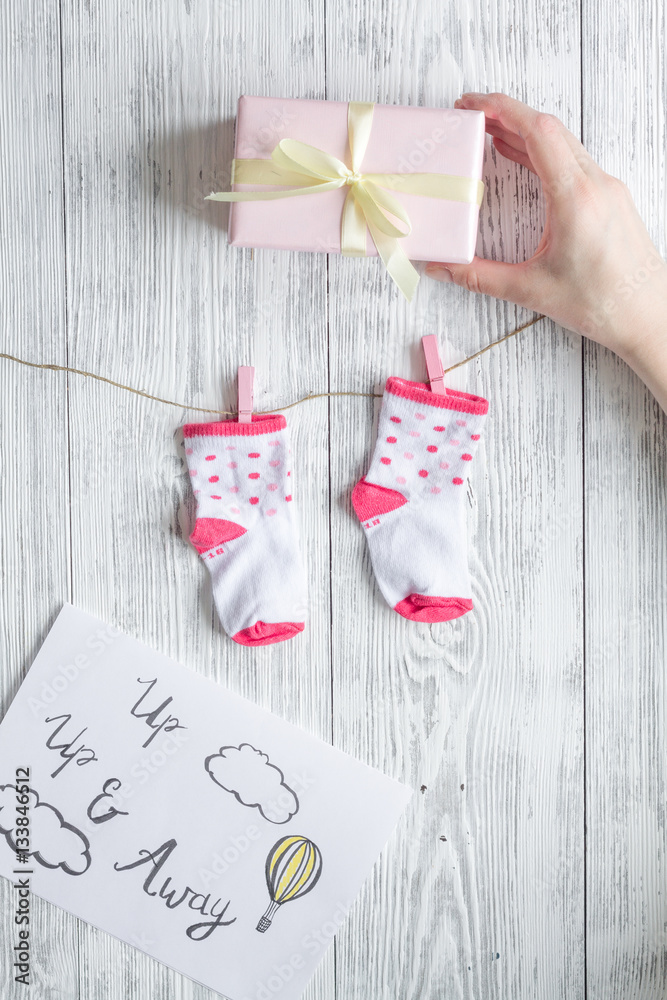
367	206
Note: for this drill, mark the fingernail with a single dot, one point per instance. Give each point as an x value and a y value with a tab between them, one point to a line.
439	271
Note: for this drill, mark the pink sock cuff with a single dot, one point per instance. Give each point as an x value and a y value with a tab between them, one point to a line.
261	424
418	392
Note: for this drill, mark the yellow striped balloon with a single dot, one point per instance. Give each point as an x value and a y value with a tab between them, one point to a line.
293	866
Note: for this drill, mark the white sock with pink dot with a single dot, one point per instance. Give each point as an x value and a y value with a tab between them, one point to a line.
411	501
246	531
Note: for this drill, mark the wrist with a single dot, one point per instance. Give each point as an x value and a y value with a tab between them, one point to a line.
646	354
644	349
625	312
644	338
638	330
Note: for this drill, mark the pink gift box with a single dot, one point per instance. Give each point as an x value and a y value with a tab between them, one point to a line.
403	140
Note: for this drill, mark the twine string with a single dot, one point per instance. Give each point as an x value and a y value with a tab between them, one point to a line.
276	409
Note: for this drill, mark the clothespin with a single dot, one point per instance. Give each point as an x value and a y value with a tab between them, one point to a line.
434	364
246	377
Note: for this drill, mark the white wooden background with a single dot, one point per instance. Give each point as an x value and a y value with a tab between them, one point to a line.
533	863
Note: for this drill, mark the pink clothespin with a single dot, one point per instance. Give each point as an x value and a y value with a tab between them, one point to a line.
434	364
246	377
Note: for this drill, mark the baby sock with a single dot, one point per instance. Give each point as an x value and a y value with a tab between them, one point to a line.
411	502
246	529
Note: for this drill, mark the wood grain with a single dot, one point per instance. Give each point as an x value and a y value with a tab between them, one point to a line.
157	298
482	893
34	549
625	103
532	861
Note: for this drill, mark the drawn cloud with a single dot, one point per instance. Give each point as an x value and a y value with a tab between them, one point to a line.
54	843
254	781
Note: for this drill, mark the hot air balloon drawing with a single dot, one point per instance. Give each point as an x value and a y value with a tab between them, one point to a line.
293	866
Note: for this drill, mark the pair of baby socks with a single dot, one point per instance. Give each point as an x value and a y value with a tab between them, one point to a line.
410	504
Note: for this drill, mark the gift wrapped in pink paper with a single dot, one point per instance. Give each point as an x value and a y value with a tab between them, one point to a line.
358	178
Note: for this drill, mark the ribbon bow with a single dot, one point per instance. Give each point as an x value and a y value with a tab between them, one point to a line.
308	170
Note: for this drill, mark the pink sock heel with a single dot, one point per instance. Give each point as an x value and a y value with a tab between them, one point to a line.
370	500
210	532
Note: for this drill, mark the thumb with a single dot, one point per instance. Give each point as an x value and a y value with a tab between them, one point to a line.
488	277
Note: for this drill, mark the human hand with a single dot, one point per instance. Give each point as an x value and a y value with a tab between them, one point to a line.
595	270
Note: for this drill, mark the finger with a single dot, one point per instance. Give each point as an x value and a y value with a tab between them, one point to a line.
513	154
508	143
512	282
548	142
494	128
580	153
498	132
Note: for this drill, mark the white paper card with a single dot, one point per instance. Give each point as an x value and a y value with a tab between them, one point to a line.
182	818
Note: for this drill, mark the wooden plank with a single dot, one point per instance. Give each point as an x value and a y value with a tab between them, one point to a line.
482	893
158	300
34	557
625	102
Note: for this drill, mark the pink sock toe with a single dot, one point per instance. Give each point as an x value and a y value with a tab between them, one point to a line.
264	633
419	608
